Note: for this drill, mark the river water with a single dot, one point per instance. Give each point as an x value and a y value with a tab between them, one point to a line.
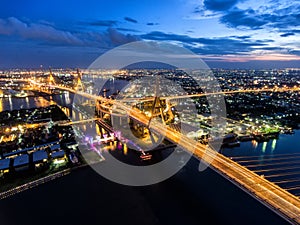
285	144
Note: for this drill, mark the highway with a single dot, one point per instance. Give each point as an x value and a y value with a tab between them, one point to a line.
235	92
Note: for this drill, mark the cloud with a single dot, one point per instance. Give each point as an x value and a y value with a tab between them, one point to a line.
296	31
130	20
37	31
244	18
152	24
219	5
126	29
287	34
271	48
198	10
217	46
281	15
243	37
107	39
117	38
251	14
213	8
46	23
103	23
42	34
295	52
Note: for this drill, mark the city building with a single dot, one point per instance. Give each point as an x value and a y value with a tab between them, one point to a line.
4	166
58	157
55	147
21	163
40	159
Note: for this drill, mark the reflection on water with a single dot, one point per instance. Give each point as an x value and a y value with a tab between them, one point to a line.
254	144
264	147
125	149
27	102
98	130
42	102
273	147
10	103
285	144
13	103
66	111
67	98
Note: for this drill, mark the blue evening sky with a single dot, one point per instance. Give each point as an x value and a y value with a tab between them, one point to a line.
225	33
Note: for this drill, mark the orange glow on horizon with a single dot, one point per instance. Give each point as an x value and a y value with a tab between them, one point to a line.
247	58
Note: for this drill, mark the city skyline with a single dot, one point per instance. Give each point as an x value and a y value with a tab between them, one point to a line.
226	34
51	127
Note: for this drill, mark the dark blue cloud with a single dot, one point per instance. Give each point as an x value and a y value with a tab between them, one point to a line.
295	31
116	38
161	36
198	10
107	39
243	37
41	34
283	18
13	27
257	19
287	34
103	23
271	48
218	5
152	24
126	29
130	20
243	18
295	52
28	48
217	46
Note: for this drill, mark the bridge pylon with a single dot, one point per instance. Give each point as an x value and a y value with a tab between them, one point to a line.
79	85
50	83
51	80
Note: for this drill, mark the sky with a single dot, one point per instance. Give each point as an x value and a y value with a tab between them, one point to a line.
247	34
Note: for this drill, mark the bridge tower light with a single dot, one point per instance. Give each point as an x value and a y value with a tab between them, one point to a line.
51	80
79	85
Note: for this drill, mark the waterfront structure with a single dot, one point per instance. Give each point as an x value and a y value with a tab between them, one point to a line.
58	157
4	166
21	163
40	159
55	147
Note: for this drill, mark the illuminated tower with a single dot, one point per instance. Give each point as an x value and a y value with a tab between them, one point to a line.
51	80
79	86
